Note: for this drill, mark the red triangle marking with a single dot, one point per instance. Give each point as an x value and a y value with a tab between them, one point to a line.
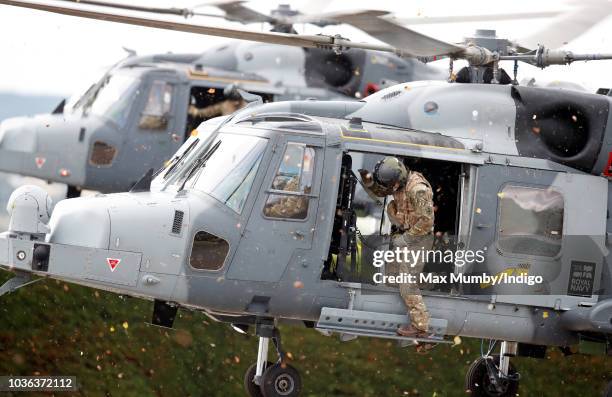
40	161
112	263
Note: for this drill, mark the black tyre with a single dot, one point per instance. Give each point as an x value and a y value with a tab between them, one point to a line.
478	384
250	387
281	380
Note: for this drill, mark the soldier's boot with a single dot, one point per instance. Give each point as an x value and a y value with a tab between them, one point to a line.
409	331
424	348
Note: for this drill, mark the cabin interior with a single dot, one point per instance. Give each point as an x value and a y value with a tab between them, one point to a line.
362	226
202	97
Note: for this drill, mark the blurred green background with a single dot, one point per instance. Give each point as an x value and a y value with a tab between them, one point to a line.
55	328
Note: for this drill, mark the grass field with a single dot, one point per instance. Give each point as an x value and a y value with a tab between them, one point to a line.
54	328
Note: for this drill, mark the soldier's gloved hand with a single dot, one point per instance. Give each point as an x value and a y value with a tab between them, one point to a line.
366	177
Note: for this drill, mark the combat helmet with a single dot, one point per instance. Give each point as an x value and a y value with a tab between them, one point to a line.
390	171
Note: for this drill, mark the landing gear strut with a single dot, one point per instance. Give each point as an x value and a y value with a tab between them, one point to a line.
493	376
266	379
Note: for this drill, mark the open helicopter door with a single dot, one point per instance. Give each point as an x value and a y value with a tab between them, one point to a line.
282	223
534	222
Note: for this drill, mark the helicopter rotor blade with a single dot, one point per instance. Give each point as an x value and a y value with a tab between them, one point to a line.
404	42
475	18
312	7
569	25
184	12
386	30
336	43
235	11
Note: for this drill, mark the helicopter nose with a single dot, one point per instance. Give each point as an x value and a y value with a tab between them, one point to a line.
83	222
17	134
152	224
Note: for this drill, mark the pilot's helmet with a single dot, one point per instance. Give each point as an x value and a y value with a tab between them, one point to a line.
390	173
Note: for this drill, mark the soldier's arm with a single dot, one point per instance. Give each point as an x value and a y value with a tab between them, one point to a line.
192	111
421	198
392	214
372	188
211	111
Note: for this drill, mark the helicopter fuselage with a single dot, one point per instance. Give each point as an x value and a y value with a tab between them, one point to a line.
209	234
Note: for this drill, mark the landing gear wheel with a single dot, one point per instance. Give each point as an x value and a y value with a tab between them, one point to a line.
478	383
281	380
251	388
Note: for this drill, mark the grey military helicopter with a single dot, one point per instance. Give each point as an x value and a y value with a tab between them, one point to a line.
138	114
524	172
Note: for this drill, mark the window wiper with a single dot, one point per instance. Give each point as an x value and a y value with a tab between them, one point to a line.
89	101
177	160
246	176
79	102
199	164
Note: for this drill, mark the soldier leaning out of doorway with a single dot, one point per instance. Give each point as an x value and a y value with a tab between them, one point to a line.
227	106
412	214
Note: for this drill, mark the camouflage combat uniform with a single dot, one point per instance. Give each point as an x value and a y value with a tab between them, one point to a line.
289	206
411	211
223	108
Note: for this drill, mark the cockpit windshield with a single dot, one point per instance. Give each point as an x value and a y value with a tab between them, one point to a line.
112	97
78	99
224	169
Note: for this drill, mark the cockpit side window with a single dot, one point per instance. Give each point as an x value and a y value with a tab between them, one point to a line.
292	184
530	221
157	109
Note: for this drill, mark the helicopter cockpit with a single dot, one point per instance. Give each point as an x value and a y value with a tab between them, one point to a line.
228	162
112	97
224	169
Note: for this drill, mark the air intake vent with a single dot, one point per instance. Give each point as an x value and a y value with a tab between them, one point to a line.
390	95
177	224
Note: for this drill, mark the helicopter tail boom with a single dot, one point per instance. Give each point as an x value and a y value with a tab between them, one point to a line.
593	319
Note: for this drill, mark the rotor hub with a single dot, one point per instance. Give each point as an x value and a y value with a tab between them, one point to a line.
488	40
